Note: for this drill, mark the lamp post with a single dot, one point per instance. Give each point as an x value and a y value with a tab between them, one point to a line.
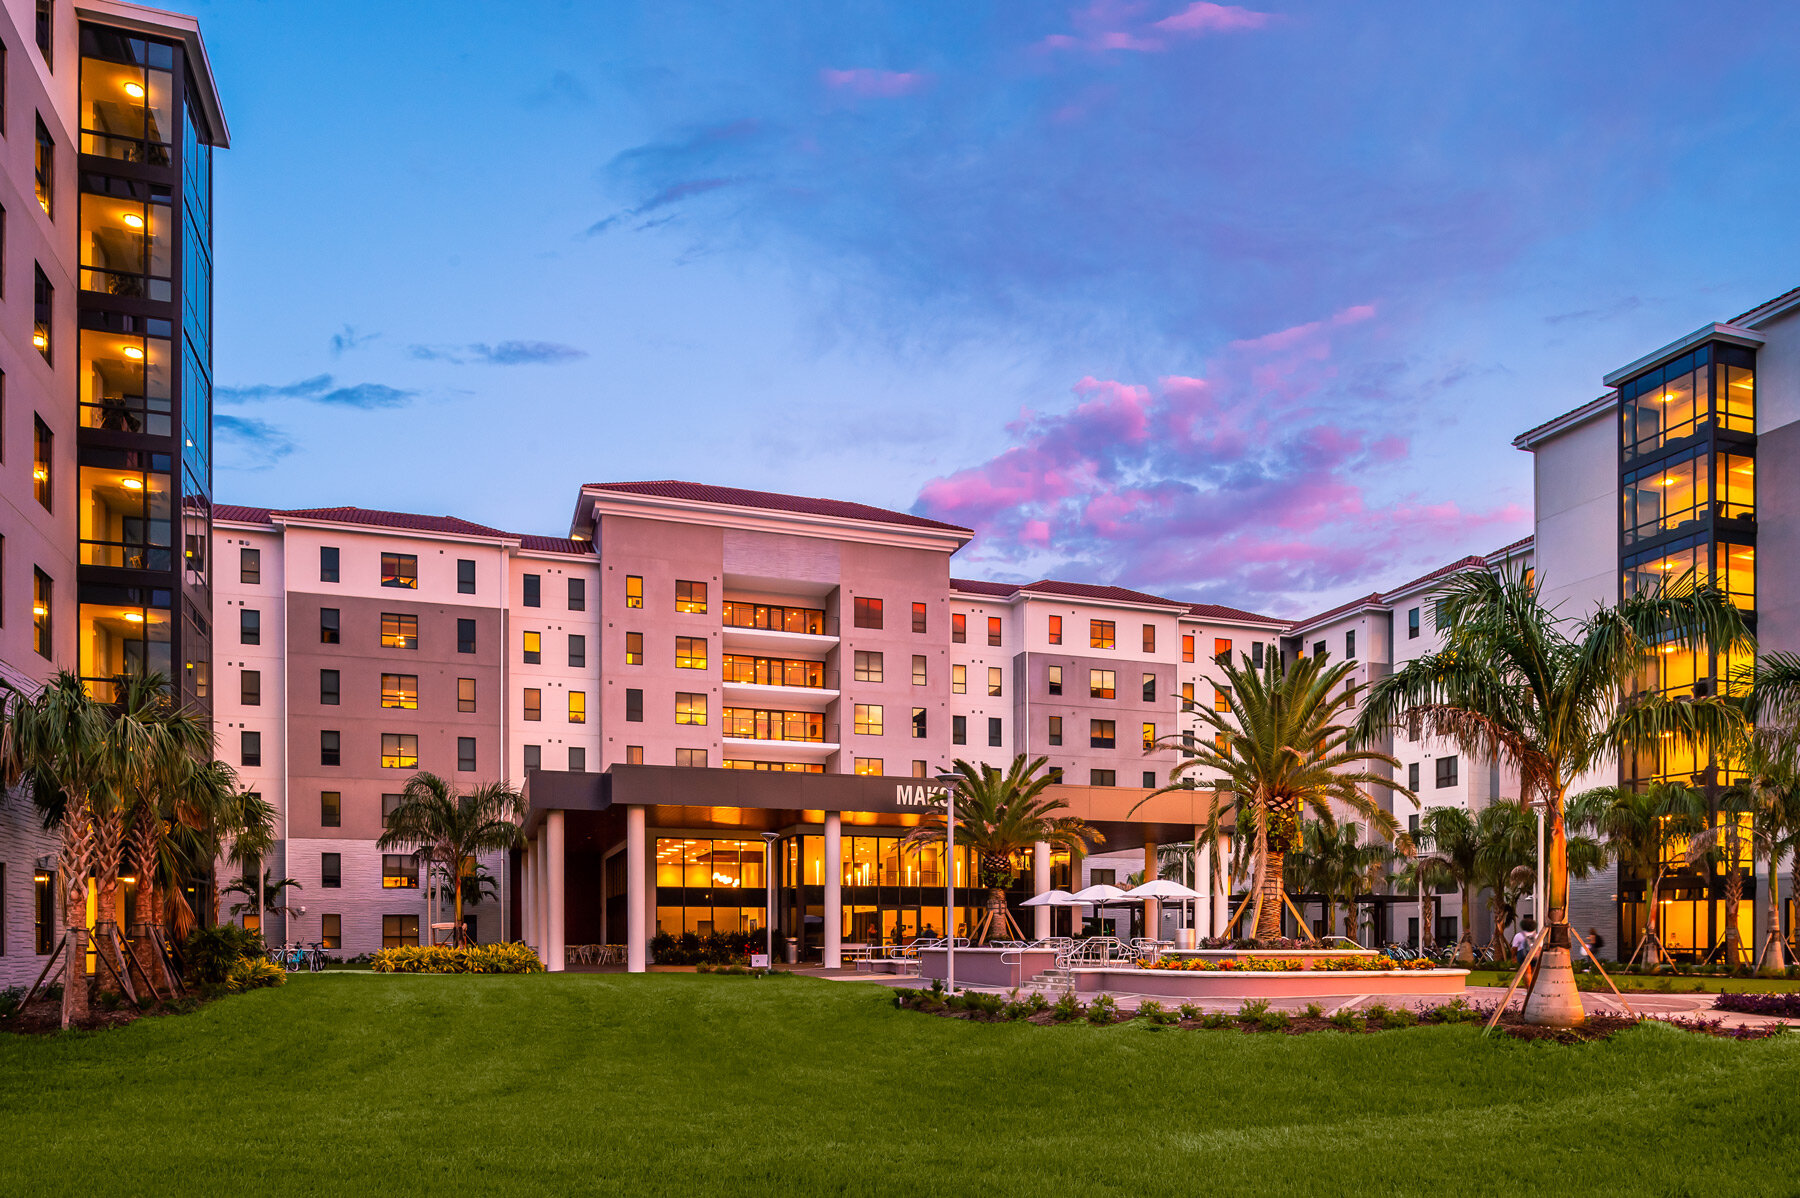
769	839
949	780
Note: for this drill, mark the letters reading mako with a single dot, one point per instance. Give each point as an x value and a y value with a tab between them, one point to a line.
918	796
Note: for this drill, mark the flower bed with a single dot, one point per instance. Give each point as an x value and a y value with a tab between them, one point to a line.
1359	964
441	958
1786	1006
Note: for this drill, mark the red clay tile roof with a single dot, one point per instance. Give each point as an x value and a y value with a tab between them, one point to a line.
554	544
1786	295
1341	608
669	488
1082	590
1218	611
970	586
1085	590
243	515
402	520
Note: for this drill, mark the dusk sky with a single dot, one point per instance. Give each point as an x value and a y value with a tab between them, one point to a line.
1234	304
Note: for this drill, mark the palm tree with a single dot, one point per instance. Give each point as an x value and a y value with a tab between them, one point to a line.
454	827
1505	864
263	896
1281	753
1555	699
1766	795
214	819
998	817
1448	843
1640	827
1335	862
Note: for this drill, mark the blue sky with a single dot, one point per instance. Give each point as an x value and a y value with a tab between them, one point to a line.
1233	303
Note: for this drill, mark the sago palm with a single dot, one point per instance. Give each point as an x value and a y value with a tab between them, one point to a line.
999	816
1282	752
454	827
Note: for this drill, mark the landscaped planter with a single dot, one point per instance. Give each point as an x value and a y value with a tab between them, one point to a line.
1299	983
1306	956
988	966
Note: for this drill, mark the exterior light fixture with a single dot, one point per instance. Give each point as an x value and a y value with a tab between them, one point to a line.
135	90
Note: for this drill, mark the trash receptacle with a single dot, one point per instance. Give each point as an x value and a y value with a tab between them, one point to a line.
1184	938
793	950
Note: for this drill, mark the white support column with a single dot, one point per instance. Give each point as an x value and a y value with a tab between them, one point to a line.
540	890
527	895
1222	895
834	898
1203	917
635	940
1152	907
554	843
1040	884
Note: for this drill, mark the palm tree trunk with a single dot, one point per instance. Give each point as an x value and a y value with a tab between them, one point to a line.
1777	950
1555	1001
1465	943
74	864
998	917
1650	929
1734	894
1268	900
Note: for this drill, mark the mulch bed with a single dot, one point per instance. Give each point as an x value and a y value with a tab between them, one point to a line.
44	1017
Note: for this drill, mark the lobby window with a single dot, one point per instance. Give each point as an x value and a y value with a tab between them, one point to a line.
577	707
919	678
918	617
1149	688
959	729
1056	630
534	704
250	748
331	809
690	653
42	590
994	732
399	931
867	667
1412	623
634	754
330	747
43	462
578	651
690	708
465	576
995	680
400	690
331	931
1149	638
867	612
400	871
959	628
331	870
328	563
249	626
399	751
534	648
918	723
1221	651
869	765
634	648
1412	777
1101	634
1187	646
577	759
250	566
1446	772
1102	684
690	597
634	591
1056	730
691	758
867	719
1221	698
634	705
1350	645
328	625
465	754
534	595
994	630
250	688
959	680
1149	737
397	631
44	171
1102	734
1103	778
534	757
1053	679
1187	696
400	570
577	594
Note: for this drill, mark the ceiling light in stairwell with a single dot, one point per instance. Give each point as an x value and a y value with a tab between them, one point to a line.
132	617
135	90
134	353
131	484
133	220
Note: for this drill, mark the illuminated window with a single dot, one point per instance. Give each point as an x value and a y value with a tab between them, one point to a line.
959	628
331	931
397	631
330	688
400	570
867	667
1102	684
400	690
1054	676
1149	688
868	719
400	871
690	597
1221	651
918	673
1056	730
634	591
1187	696
331	809
577	707
1101	634
1149	736
1102	734
1222	742
993	630
534	648
1056	630
41	589
918	769
533	588
994	682
691	758
867	613
399	751
918	613
868	765
634	754
465	694
45	170
918	723
1103	778
42	462
690	653
1221	698
1187	646
690	708
959	680
634	648
534	704
1149	638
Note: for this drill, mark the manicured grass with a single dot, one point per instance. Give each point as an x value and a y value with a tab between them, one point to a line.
684	1084
1666	984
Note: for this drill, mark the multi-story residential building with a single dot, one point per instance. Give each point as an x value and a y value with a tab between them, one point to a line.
1658	476
108	120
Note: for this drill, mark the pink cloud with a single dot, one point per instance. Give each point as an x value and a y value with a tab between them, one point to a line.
865	81
1200	18
1119	25
1263	482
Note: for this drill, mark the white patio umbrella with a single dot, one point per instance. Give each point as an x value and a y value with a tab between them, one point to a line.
1052	898
1099	895
1162	889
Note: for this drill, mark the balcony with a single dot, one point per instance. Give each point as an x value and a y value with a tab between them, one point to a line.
778	631
753	694
752	749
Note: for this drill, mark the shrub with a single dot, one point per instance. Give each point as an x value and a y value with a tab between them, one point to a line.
1252	1010
1343	1021
442	958
1215	1019
716	948
209	953
1313	1010
1190	1010
1066	1008
1274	1021
1457	1010
253	973
1785	1005
1157	1014
1104	1009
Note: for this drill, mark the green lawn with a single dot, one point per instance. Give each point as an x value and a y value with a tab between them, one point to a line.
1674	984
684	1084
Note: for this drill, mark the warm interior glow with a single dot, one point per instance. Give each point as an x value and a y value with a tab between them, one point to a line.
134	353
132	617
131	484
135	90
133	220
1668	481
40	473
39	340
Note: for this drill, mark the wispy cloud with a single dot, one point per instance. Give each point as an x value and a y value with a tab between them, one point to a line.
1120	25
320	388
1619	307
349	338
866	81
504	353
251	444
